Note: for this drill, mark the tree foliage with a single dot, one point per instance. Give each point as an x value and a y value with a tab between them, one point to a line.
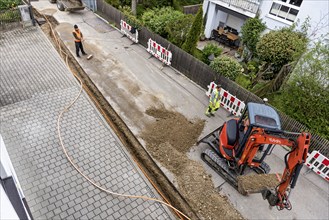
279	51
177	31
210	49
251	31
130	18
157	19
194	33
226	66
280	47
114	3
156	3
305	97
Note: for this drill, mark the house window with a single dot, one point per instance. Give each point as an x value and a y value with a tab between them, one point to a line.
286	9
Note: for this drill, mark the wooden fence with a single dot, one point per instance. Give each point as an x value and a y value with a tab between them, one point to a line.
191	9
201	73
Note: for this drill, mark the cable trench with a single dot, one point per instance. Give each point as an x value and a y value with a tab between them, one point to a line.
66	109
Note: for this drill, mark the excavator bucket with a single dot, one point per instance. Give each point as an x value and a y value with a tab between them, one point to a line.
256	183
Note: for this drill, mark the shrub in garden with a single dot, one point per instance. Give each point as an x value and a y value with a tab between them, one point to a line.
211	49
226	66
178	30
280	47
158	19
6	4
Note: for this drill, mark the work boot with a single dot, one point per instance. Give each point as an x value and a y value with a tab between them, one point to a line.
207	114
84	53
212	114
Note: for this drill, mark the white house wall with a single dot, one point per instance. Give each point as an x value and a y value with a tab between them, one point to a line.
234	22
221	17
314	9
205	7
211	19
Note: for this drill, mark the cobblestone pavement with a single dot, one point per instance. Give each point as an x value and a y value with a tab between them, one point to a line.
35	87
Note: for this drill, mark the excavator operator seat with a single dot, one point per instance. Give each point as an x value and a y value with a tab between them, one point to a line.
232	132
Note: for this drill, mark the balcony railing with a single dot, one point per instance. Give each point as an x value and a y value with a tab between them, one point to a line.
246	5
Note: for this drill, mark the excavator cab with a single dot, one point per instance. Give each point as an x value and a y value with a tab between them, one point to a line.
240	146
228	142
235	133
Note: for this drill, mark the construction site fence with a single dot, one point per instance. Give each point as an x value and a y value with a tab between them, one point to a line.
201	73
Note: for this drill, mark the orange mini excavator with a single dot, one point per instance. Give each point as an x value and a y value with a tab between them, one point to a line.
240	146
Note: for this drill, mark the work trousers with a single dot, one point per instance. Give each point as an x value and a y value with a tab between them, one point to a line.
78	46
211	109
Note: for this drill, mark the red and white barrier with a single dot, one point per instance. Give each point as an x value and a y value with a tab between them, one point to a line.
228	101
159	52
129	31
319	164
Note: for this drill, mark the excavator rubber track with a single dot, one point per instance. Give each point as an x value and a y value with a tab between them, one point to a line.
220	165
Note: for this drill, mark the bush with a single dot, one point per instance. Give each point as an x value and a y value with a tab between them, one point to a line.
243	81
130	18
158	19
177	31
280	47
198	54
10	15
156	3
210	49
6	4
226	66
114	3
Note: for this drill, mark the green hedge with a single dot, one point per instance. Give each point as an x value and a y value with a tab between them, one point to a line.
11	15
7	4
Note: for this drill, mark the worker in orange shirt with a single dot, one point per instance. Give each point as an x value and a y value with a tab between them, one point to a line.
78	38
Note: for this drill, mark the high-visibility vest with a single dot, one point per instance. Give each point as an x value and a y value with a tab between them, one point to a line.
78	34
215	97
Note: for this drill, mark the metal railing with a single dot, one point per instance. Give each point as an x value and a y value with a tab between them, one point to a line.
201	74
246	5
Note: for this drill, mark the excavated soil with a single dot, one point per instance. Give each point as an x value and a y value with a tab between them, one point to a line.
168	139
256	183
172	127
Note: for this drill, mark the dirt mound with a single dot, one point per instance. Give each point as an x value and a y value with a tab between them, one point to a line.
172	127
257	183
168	139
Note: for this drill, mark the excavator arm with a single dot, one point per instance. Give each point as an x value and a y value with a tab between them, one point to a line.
294	161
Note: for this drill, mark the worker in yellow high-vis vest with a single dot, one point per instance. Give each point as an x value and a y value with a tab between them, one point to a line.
78	38
214	101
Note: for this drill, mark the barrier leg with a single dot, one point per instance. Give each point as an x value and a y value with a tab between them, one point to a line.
308	171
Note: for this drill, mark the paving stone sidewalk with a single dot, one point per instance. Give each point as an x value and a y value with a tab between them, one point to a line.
35	87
